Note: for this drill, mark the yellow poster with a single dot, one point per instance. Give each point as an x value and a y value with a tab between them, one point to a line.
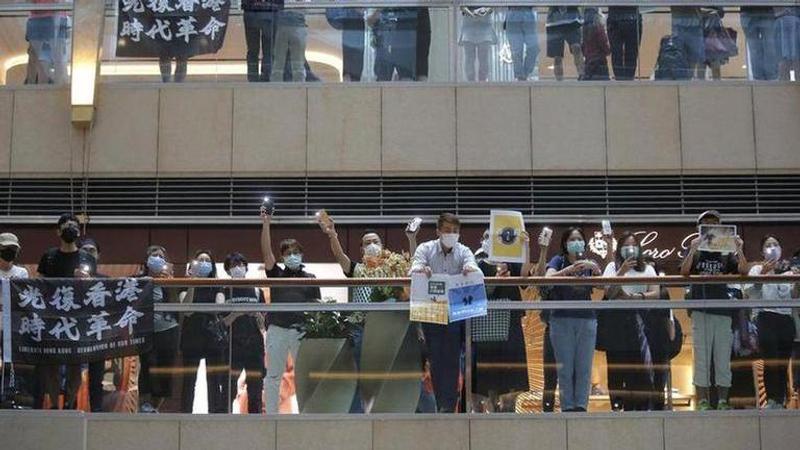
505	230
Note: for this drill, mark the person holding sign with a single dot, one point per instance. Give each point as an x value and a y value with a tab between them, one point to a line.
712	333
498	336
445	255
64	261
573	333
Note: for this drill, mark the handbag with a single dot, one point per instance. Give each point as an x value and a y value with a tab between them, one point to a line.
493	327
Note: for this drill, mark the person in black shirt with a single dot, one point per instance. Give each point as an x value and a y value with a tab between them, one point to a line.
283	331
64	261
498	337
712	335
203	336
247	338
155	386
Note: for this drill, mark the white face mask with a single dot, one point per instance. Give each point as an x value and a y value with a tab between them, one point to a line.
486	246
772	253
238	272
373	250
449	240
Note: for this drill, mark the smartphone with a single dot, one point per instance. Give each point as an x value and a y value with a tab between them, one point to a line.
323	217
607	228
268	206
545	236
191	269
413	225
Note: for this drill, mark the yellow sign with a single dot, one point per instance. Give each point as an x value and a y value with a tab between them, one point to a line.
505	231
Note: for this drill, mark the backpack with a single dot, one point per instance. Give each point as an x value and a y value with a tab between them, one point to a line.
672	63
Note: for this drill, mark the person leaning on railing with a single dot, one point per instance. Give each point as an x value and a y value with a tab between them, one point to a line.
712	336
573	333
283	329
445	255
776	330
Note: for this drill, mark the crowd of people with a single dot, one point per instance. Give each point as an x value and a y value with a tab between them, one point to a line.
400	39
639	344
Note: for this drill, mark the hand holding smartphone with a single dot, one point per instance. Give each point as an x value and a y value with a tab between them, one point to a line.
607	231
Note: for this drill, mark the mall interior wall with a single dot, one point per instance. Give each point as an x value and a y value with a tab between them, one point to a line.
404	130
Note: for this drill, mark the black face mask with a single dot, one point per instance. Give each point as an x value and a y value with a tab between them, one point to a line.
70	234
8	254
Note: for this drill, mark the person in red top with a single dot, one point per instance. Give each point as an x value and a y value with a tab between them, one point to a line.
595	46
46	33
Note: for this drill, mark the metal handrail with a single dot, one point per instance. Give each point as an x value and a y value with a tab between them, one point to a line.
668	280
491	281
572	305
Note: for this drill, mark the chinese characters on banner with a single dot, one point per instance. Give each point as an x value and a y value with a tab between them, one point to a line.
153	28
447	298
67	321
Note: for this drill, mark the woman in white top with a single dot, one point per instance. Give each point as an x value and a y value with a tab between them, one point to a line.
630	368
776	330
9	250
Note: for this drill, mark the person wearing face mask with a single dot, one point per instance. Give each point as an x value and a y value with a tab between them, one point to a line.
65	261
9	251
776	331
572	333
204	336
283	329
96	368
247	338
445	255
371	253
712	336
157	367
630	364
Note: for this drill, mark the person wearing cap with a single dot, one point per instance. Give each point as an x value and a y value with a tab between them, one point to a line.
712	333
9	251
